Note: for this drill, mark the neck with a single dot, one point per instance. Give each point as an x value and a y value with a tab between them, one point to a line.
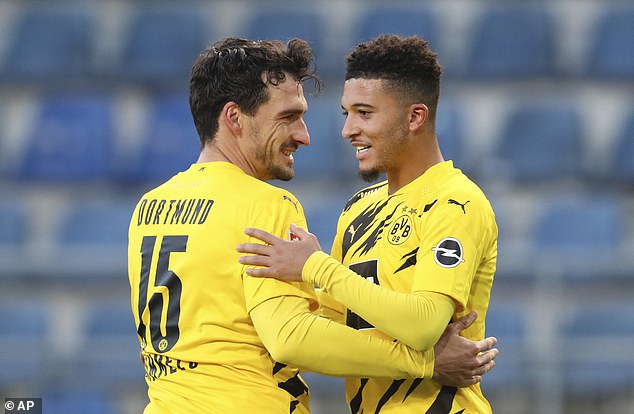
422	156
217	152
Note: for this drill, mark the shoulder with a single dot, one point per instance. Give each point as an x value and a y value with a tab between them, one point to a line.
458	196
276	198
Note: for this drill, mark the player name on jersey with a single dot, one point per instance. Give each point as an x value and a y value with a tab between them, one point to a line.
157	366
184	211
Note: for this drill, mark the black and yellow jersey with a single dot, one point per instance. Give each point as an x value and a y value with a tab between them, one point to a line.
436	234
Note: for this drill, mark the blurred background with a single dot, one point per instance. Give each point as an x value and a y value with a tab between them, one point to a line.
536	107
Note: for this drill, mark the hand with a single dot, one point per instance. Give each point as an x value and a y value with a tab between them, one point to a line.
460	362
281	259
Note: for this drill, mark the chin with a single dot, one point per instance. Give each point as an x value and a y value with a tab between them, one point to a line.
369	176
283	173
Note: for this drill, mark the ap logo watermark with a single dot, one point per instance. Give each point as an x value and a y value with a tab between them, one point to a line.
23	405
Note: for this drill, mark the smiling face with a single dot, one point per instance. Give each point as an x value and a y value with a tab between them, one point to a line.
376	125
276	131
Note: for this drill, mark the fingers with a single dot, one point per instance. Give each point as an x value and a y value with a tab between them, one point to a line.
465	322
254	260
486	344
253	248
299	232
266	237
484	368
488	356
259	272
478	372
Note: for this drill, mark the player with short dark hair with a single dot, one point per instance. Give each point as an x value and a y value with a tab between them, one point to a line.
214	339
420	247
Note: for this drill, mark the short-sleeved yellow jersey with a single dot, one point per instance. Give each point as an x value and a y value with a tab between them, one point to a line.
437	233
191	299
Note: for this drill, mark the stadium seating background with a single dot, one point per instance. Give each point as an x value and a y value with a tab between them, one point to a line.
537	107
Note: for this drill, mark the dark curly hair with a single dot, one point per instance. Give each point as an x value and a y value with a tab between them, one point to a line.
407	63
238	70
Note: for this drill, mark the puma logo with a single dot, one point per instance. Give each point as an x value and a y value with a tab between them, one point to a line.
291	200
352	231
452	201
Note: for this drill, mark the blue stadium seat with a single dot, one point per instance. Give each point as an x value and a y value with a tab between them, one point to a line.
15	238
512	42
320	159
580	238
169	142
51	43
77	400
322	216
621	161
266	23
69	140
13	224
161	43
610	53
23	339
540	142
95	223
580	222
94	233
450	133
508	323
404	21
597	352
110	334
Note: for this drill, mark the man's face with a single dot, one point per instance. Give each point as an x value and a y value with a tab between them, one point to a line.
376	125
277	130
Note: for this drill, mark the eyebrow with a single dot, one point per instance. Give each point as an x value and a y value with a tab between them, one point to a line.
359	105
293	111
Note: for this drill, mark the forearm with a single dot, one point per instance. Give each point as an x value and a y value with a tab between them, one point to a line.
295	336
330	308
417	320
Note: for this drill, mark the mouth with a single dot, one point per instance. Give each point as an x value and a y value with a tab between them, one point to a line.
288	152
361	148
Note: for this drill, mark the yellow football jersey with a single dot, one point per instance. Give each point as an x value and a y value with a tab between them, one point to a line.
437	233
191	299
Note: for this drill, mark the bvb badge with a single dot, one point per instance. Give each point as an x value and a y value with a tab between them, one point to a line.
162	344
400	230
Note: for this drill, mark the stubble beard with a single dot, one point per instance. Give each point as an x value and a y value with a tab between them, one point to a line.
372	174
369	176
266	156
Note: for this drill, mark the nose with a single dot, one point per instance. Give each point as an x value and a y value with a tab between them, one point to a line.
349	130
301	136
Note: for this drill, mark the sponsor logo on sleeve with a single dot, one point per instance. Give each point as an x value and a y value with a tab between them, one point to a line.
448	252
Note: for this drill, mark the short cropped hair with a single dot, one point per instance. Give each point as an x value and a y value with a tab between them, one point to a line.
408	65
239	70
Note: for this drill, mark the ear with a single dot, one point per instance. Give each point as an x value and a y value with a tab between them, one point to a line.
231	116
418	116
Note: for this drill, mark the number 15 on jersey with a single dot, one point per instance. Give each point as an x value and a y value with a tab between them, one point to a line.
163	332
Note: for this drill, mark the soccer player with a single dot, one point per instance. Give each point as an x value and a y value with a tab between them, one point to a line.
420	248
215	340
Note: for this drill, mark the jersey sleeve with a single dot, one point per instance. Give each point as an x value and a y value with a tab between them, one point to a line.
276	218
451	249
393	313
293	335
